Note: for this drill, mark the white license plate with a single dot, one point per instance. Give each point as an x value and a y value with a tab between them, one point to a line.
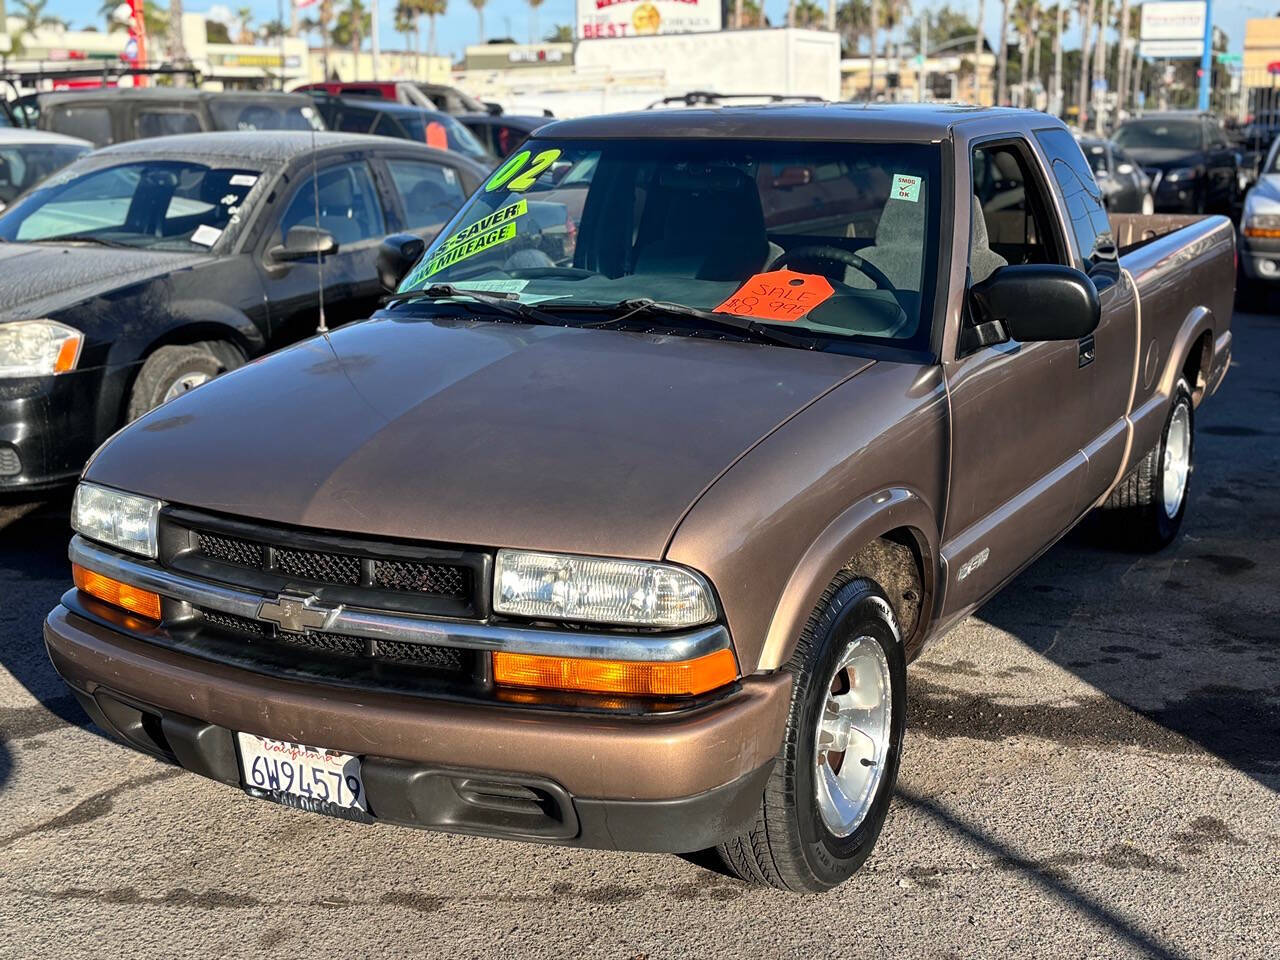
311	778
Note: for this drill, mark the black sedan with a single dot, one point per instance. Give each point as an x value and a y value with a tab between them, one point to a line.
1126	188
147	268
1193	167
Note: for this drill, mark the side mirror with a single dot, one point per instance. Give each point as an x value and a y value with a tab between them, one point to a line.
396	256
1034	301
304	243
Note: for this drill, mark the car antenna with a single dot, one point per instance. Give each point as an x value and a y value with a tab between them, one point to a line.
322	328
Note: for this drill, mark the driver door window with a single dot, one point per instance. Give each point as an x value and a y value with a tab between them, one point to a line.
349	207
1009	222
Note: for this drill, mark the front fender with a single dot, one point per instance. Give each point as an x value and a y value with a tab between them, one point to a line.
202	319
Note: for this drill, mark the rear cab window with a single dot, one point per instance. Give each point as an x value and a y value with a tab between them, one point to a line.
164	123
1086	210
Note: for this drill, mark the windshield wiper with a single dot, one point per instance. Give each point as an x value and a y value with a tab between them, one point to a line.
506	304
83	238
723	322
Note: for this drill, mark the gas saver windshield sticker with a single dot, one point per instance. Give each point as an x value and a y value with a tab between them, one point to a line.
905	187
484	224
778	295
469	248
206	235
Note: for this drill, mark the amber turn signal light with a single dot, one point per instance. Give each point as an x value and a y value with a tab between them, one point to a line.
122	595
1261	232
681	678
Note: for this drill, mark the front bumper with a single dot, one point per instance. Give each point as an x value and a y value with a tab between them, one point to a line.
49	427
1179	196
673	782
1259	258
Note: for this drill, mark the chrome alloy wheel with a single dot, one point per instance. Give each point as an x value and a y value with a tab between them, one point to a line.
1176	467
852	740
188	381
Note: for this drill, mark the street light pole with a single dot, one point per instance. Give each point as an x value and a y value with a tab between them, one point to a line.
1206	57
377	45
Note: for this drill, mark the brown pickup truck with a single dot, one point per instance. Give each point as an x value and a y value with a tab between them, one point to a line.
629	546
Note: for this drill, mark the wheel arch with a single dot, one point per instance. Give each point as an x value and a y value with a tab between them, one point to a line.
889	537
1191	354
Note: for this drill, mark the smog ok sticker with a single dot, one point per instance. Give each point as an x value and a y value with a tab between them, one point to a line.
905	188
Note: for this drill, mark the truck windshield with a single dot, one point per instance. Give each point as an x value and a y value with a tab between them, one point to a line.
156	204
1160	135
830	240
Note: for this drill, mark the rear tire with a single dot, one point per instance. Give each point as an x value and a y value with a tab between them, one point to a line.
172	371
793	844
1145	510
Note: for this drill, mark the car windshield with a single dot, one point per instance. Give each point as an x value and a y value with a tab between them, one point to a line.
832	241
459	138
239	113
1160	135
153	204
24	165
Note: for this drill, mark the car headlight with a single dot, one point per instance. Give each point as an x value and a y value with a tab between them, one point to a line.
37	348
122	520
1182	173
633	592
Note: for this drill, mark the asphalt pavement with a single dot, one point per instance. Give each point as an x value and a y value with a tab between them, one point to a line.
1092	768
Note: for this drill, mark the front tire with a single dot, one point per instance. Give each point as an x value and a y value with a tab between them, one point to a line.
829	793
1146	508
171	371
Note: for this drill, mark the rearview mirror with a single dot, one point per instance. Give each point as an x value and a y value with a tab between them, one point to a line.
304	243
1034	301
396	256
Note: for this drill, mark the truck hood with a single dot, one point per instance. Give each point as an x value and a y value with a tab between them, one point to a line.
477	433
42	278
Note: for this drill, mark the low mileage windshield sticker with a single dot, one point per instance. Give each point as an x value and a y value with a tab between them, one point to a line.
498	227
497	218
905	187
778	295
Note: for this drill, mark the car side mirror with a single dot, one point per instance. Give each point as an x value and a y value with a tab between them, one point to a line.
1032	302
396	256
304	243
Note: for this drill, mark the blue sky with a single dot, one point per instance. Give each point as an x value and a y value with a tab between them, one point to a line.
511	17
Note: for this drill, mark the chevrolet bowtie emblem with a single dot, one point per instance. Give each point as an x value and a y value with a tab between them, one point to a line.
297	613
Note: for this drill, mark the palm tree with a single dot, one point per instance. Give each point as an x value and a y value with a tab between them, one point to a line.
406	22
1122	56
1002	55
809	14
852	20
320	24
33	17
791	13
874	30
479	5
533	19
433	9
1087	10
1062	14
1100	60
563	32
353	25
977	48
1026	20
244	16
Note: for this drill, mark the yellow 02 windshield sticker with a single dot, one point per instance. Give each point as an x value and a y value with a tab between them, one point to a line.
505	175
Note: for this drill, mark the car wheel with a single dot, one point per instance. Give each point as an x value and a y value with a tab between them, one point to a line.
1146	508
829	792
1148	205
172	371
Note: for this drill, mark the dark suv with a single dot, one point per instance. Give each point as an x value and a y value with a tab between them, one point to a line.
1192	164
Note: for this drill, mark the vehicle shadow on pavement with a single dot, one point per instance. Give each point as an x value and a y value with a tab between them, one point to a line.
1186	638
34	573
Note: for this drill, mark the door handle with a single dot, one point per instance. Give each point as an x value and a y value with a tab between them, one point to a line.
1086	351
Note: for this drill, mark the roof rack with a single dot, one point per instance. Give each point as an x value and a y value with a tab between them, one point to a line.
697	98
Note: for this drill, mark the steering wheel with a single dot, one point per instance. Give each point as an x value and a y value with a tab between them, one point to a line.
824	251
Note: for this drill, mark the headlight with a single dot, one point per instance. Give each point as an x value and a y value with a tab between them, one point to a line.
560	587
117	519
37	348
1182	173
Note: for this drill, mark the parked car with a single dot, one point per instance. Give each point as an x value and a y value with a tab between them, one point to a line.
500	134
386	118
1260	232
110	115
434	96
632	550
1126	188
1193	166
148	268
28	156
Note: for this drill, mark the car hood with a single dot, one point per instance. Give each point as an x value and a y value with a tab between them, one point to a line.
479	433
1162	158
42	278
